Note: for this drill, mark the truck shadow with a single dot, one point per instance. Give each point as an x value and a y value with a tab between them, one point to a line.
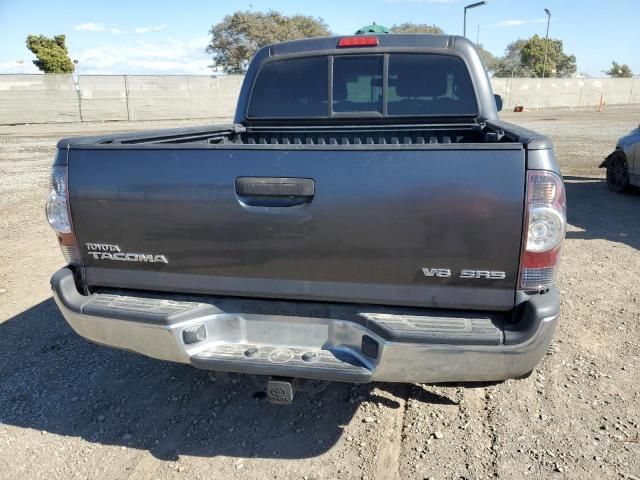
53	381
596	213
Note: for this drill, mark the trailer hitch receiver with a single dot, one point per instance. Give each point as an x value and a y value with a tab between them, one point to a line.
280	391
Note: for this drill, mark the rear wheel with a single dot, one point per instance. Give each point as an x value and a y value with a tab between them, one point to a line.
617	172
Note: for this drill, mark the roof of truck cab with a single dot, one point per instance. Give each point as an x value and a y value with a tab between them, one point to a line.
387	40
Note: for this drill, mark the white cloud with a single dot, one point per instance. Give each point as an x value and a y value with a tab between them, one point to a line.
153	28
116	31
158	57
89	27
18	66
517	23
143	57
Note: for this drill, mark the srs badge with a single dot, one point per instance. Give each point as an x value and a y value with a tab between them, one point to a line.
107	251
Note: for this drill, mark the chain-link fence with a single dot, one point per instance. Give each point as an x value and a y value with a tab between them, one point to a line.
88	98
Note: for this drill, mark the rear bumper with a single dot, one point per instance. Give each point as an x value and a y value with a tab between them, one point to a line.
328	342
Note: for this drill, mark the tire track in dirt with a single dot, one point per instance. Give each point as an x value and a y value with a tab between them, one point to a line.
389	451
476	415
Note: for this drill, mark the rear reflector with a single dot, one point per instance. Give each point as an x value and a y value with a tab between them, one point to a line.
358	41
537	278
70	253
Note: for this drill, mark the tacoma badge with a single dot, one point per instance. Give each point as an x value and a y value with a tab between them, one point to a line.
107	251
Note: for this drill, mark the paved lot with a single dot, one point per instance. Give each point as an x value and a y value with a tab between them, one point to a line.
69	409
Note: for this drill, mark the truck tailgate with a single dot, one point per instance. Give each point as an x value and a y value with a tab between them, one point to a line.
346	225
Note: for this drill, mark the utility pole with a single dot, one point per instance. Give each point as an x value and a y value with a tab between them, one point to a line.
473	5
546	42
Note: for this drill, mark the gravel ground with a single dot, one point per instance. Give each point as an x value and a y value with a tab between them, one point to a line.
69	409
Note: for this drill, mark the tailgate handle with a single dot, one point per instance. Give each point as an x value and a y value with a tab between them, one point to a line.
275	187
275	191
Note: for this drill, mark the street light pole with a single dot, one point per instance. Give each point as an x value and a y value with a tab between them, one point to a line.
76	67
473	5
464	29
546	42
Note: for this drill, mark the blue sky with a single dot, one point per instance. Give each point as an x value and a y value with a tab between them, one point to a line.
149	37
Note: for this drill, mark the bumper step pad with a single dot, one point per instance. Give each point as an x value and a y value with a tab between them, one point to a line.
151	310
283	361
438	329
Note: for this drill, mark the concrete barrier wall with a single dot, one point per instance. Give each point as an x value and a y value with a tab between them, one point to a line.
38	99
103	98
64	98
89	98
534	93
169	97
157	97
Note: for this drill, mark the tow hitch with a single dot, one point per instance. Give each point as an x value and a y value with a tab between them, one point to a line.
280	391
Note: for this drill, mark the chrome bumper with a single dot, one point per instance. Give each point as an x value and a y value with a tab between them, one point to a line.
274	344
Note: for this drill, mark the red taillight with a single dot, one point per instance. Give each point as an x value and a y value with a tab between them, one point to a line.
545	225
358	41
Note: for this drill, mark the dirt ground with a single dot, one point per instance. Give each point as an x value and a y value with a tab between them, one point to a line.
69	409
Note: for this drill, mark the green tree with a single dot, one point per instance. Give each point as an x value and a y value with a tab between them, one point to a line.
511	64
416	28
525	58
489	60
558	64
51	53
619	71
236	39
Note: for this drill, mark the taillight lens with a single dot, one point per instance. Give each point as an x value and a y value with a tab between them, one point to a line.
546	229
59	217
57	211
546	223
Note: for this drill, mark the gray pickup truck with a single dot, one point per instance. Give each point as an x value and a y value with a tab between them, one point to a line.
367	217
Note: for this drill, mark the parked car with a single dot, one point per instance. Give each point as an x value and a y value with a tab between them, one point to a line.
367	216
623	165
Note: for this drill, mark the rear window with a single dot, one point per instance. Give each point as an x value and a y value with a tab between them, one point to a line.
291	89
429	85
357	84
417	85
